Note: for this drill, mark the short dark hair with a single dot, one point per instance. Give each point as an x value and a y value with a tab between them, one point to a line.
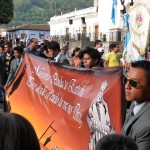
17	133
116	142
81	53
8	44
97	42
75	50
145	65
113	45
19	49
17	40
93	53
53	45
32	40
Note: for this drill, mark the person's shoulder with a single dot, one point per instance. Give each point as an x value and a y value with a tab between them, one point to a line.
12	57
72	58
3	55
143	120
142	131
62	57
146	113
13	60
107	56
111	53
28	49
119	54
13	63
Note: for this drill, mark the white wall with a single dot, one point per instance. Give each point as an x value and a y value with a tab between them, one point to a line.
102	18
31	33
58	24
105	9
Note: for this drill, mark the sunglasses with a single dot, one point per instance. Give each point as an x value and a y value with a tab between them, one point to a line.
133	83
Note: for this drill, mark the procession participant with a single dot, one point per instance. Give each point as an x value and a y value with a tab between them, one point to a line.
54	52
112	59
17	133
18	53
91	58
7	57
137	91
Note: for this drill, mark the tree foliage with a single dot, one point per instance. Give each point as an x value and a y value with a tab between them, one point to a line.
6	11
40	11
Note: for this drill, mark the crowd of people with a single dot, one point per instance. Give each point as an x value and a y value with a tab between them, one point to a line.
136	81
11	55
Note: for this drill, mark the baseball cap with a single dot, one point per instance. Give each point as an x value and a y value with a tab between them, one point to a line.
100	49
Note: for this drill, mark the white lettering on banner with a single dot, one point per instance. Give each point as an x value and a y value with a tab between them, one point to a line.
41	90
40	73
76	89
56	98
60	102
30	83
70	109
76	114
60	82
65	106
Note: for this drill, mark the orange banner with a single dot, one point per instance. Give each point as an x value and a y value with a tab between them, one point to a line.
69	108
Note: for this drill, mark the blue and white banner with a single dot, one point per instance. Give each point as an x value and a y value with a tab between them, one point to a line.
113	13
136	22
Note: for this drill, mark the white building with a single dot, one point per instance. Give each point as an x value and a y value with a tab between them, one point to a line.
92	22
29	31
3	32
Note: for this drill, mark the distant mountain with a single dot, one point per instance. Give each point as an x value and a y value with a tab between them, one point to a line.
40	11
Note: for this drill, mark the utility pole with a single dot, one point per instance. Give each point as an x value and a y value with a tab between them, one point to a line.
55	7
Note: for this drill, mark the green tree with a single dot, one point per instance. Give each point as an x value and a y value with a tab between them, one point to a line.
6	11
40	11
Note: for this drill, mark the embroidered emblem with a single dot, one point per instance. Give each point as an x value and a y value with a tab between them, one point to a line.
139	20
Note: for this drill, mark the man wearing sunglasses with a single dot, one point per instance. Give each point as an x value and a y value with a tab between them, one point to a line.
137	91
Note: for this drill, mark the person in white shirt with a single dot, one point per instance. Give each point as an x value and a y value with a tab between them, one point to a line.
98	44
